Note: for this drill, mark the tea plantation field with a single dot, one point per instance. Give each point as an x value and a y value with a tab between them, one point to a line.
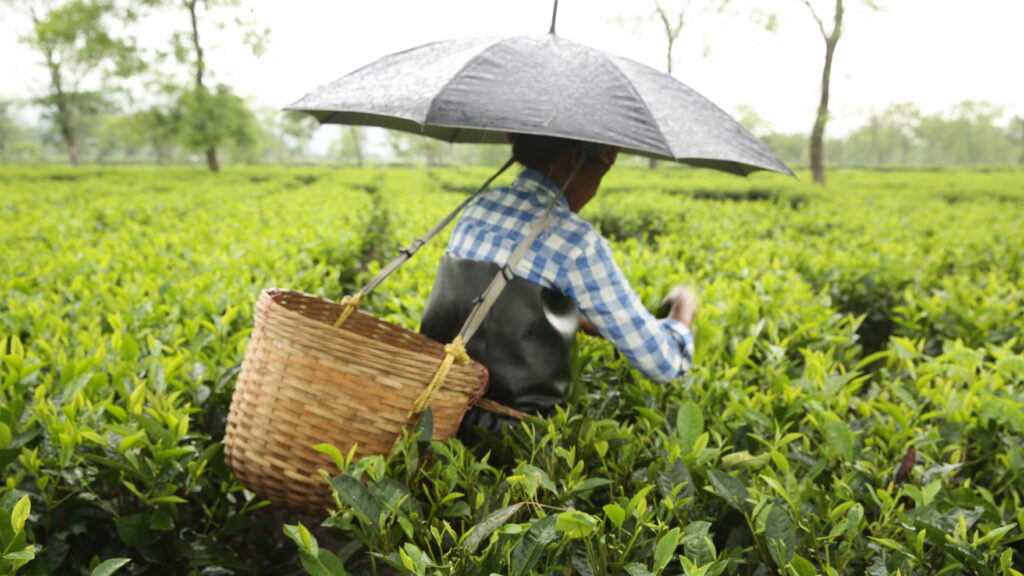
856	406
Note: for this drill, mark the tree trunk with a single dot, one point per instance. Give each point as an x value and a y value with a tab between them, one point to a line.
60	98
67	132
358	145
211	159
817	143
211	150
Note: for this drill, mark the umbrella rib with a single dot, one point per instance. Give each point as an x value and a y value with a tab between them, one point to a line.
613	60
433	101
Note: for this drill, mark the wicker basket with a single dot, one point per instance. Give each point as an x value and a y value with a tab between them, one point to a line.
304	382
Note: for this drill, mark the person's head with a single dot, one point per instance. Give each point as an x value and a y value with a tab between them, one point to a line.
556	158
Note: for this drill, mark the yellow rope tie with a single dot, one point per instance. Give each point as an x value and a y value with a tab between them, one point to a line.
349	303
454	352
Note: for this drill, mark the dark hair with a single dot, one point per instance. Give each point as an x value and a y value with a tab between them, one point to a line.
538	152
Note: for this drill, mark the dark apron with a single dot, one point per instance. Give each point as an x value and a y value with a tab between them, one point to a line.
525	341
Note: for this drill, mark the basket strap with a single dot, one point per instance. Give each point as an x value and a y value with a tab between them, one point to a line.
492	406
350	303
453	352
487	300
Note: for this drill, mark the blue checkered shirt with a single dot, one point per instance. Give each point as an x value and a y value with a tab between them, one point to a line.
570	256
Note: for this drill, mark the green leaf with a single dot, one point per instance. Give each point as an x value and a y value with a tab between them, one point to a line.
24	555
802	566
168	500
995	535
781	536
665	550
588	485
840	439
134	530
530	547
581	561
129	441
333	452
576	524
729	489
697	545
20	513
108	567
689	425
5	435
746	460
357	497
161	520
488	525
324	563
637	569
162	455
615	513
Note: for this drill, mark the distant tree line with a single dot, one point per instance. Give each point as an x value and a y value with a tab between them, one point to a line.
109	101
971	133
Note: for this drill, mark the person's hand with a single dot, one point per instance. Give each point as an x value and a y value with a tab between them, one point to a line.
683	301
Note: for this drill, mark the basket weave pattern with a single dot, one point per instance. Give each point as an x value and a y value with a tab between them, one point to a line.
304	382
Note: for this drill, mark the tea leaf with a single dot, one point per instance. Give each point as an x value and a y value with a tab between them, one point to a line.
357	497
745	459
615	513
781	536
528	550
665	549
637	569
576	524
20	513
108	567
994	535
487	526
689	425
729	489
588	485
802	566
581	561
840	439
324	563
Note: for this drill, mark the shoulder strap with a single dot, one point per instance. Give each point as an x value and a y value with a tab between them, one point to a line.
350	303
486	300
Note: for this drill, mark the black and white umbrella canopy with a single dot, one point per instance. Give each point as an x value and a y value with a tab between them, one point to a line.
482	89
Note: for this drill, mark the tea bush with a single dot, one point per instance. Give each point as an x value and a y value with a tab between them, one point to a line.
855	407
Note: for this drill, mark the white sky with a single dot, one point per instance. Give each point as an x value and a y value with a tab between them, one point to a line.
934	53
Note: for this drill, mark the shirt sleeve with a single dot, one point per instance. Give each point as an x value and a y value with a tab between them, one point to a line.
661	349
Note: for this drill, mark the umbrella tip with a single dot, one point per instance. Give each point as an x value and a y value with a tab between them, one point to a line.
554	16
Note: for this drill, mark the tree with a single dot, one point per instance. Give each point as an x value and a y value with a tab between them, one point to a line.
297	129
10	130
790	148
752	120
890	136
349	145
206	119
674	21
831	38
78	48
408	148
208	127
1016	132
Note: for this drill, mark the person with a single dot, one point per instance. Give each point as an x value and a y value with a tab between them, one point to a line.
568	280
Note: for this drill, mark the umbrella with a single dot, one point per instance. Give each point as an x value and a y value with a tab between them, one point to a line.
481	89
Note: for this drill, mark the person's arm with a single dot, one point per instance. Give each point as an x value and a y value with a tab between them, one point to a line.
681	303
661	349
